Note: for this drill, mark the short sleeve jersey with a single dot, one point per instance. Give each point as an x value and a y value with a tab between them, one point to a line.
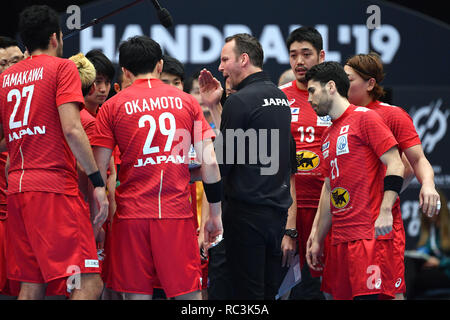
351	148
307	129
30	93
88	123
402	127
153	125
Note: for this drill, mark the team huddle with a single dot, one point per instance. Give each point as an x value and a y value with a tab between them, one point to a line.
83	175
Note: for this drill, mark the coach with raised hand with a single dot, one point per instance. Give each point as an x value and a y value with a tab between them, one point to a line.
256	145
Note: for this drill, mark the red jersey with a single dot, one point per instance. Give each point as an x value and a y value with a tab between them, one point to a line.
153	125
402	126
3	157
307	129
351	148
30	94
88	123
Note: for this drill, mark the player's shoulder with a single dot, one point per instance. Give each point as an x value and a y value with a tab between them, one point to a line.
286	87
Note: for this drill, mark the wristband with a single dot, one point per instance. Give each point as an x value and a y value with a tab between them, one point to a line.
213	191
393	183
96	179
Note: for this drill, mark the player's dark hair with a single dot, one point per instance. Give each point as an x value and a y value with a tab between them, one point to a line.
308	34
6	42
119	76
36	25
103	66
139	54
327	71
188	84
248	44
173	66
369	66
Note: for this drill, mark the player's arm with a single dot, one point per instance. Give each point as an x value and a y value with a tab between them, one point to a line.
69	115
393	182
428	197
289	244
315	253
316	219
409	173
111	187
211	91
2	139
102	157
212	184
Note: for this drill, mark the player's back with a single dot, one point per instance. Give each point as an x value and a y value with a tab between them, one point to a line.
30	94
154	125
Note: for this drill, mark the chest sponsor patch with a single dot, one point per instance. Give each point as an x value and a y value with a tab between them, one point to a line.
307	160
324	121
339	197
294	114
342	145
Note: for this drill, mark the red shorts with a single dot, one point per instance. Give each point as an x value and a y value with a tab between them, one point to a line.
144	248
49	237
391	253
354	269
305	219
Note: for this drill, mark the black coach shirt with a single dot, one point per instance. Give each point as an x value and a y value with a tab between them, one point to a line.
254	149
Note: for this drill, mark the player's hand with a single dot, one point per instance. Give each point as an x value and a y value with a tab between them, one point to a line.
383	224
314	256
429	201
310	238
102	206
210	88
213	228
289	248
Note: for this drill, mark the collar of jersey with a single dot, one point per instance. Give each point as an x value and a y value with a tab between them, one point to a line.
346	113
154	82
257	76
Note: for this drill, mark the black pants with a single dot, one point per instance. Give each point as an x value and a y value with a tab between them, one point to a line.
220	287
253	249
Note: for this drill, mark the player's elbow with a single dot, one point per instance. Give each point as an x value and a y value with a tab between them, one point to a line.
72	131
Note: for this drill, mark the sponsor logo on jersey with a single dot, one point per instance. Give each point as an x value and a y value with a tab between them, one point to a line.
91	263
294	114
324	121
342	145
398	283
307	160
339	197
378	284
326	145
